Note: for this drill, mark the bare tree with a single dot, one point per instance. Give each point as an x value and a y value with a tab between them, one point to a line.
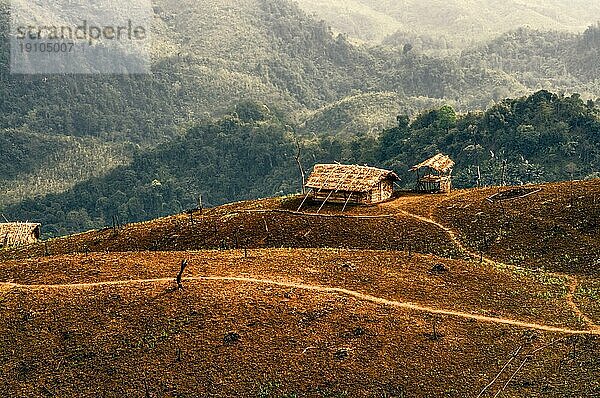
298	161
180	274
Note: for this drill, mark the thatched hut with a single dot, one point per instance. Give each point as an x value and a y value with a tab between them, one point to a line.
437	176
339	183
19	233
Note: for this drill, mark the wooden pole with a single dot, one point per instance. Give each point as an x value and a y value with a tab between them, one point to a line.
325	201
304	200
298	154
512	377
514	355
418	180
347	200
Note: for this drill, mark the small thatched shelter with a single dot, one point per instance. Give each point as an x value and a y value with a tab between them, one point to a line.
339	183
19	233
437	176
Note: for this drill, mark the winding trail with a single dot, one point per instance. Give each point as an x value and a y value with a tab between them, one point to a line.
322	289
572	285
572	281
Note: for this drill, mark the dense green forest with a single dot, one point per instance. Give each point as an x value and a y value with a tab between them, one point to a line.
251	153
77	149
542	137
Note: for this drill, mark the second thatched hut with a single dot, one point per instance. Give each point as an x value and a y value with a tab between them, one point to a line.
437	175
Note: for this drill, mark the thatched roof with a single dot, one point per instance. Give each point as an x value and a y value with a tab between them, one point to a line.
349	178
439	162
18	232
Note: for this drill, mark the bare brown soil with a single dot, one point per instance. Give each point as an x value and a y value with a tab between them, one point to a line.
556	229
383	301
587	297
242	228
123	341
464	286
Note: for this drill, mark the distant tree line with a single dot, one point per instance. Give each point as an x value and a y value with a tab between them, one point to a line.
542	137
250	153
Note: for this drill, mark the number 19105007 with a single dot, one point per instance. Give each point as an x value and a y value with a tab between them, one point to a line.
46	47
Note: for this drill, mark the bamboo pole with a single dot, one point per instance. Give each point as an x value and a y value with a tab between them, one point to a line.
347	200
304	200
325	201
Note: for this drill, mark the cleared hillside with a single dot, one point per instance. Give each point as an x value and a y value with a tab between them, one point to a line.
393	275
554	229
278	323
332	346
255	228
100	313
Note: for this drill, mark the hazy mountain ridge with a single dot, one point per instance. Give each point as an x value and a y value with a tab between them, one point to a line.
364	114
207	58
43	164
461	22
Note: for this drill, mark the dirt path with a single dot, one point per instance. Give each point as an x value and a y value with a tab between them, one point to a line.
573	282
361	296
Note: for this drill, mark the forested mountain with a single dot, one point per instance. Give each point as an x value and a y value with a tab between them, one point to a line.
550	59
368	113
34	165
251	153
209	56
79	138
542	137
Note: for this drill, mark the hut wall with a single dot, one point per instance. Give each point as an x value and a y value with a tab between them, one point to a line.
429	186
8	239
446	185
387	189
376	194
340	197
439	184
382	192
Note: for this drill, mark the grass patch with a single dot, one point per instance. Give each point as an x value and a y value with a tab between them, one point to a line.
592	293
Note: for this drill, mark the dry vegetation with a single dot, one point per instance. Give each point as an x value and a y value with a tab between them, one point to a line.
463	286
255	225
588	298
99	314
556	229
229	339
